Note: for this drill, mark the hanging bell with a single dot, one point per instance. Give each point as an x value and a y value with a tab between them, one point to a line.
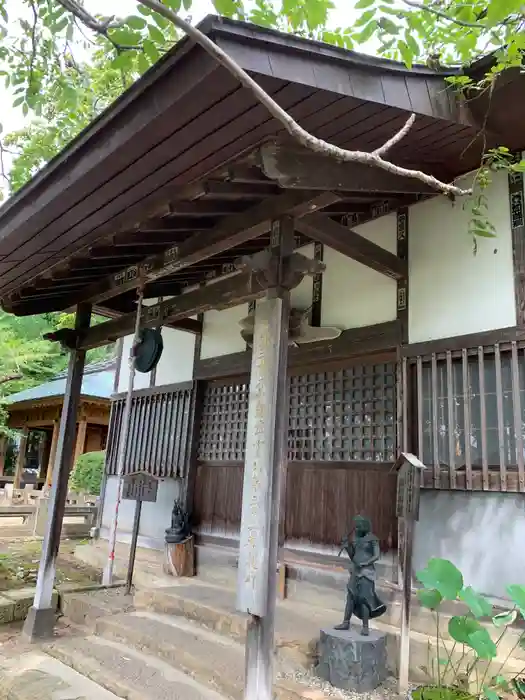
148	350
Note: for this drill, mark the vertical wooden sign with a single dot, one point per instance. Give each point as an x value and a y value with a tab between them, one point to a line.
517	224
402	285
317	288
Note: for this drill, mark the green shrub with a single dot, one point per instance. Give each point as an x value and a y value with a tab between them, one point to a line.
87	473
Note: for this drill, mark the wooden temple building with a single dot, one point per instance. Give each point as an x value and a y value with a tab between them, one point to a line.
188	192
36	412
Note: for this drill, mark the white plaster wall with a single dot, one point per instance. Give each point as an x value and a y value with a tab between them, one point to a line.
353	294
154	519
452	291
176	362
221	332
481	533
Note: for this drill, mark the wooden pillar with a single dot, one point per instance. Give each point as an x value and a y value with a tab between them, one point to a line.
41	617
52	454
81	440
3	450
21	459
264	464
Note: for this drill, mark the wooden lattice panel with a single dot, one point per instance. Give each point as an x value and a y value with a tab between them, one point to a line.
342	416
223	427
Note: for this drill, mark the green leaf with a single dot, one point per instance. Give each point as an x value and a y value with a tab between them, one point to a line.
470	632
143	63
517	595
460	628
505	618
388	26
489	693
151	50
122	61
225	7
406	54
367	32
483	645
125	37
363	4
155	34
429	598
365	18
442	575
135	22
478	604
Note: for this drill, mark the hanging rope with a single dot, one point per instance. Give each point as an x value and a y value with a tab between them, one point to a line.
107	578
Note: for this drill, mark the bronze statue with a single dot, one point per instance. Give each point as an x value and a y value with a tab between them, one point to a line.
180	528
361	597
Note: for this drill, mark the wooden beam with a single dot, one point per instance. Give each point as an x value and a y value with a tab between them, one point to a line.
352	245
80	441
41	616
295	168
229	233
219	295
21	458
52	454
352	343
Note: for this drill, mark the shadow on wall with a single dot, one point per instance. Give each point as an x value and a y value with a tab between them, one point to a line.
481	533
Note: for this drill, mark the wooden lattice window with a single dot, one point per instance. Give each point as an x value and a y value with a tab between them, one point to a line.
346	415
224	417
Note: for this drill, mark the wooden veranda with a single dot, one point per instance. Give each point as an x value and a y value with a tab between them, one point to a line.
186	188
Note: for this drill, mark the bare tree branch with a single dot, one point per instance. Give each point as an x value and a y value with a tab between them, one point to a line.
439	13
10	378
92	23
396	137
292	127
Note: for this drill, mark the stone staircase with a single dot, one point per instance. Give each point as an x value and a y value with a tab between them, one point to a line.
135	651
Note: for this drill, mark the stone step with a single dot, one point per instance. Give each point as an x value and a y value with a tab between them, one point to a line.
36	675
86	607
128	672
297	625
212	660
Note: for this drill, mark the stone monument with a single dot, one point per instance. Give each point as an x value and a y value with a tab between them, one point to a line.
348	658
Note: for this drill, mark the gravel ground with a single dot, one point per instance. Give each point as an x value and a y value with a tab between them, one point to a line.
307	678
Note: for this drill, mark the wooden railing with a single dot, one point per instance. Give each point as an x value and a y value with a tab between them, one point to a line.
463	414
159	433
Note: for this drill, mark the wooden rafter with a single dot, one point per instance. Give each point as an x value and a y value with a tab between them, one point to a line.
353	245
232	232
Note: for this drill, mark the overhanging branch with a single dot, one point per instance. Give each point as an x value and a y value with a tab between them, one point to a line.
292	127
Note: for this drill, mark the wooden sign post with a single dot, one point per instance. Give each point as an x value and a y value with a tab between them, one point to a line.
408	468
138	487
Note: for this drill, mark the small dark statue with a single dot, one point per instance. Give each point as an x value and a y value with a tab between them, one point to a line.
180	528
361	597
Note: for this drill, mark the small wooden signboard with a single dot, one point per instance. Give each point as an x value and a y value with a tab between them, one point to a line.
408	468
139	487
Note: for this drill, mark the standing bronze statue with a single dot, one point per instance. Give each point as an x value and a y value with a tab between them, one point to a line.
361	598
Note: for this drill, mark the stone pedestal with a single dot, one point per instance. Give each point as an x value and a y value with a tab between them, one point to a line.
350	661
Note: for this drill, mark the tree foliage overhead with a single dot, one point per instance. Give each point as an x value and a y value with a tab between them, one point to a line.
66	65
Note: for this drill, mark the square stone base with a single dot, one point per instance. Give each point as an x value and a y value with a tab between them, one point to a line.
351	661
39	624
